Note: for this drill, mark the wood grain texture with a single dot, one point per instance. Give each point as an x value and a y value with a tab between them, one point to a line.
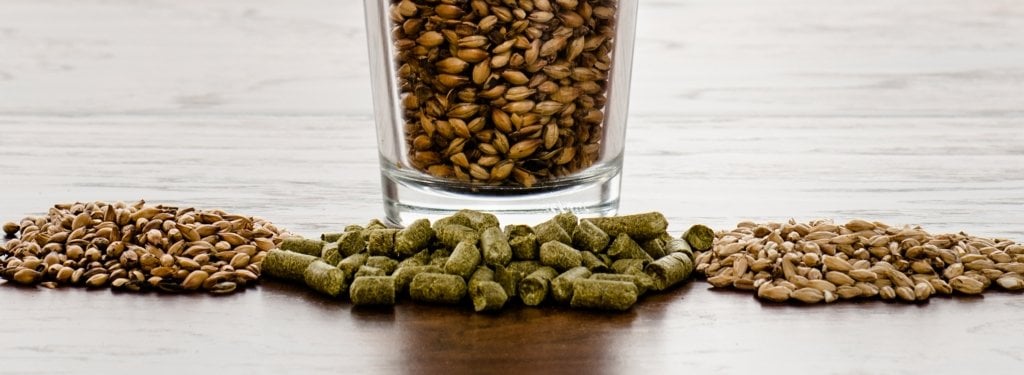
906	112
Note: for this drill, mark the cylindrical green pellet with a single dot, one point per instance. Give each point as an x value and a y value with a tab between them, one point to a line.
372	290
628	266
479	220
488	296
351	243
561	286
331	236
324	278
403	276
603	294
485	293
593	262
510	276
463	260
625	248
654	247
369	271
354	228
303	246
588	236
437	288
420	259
495	247
640	227
551	231
351	263
677	245
669	270
567	220
560	256
370	227
480	275
534	288
451	235
330	253
452	220
514	230
524	247
413	238
641	283
386	264
700	237
286	264
382	242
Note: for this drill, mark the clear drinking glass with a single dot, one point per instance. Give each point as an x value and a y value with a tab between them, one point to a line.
516	107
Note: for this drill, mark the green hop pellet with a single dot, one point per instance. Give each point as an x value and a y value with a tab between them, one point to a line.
439	261
286	265
669	270
324	278
593	262
534	288
510	276
642	284
452	220
351	263
559	256
478	220
625	248
588	236
654	247
403	276
351	243
700	237
415	237
369	271
354	228
495	247
375	224
550	231
331	236
488	296
524	247
481	274
330	253
628	266
603	294
464	260
420	259
526	267
451	235
567	220
437	288
372	290
515	230
382	242
370	227
561	286
677	245
386	264
640	227
302	246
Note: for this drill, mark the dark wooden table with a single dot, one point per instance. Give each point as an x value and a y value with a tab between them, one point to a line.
906	112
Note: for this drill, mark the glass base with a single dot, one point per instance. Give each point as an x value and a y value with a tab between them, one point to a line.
410	196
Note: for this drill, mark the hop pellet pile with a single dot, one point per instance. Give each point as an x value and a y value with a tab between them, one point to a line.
823	262
135	247
603	263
